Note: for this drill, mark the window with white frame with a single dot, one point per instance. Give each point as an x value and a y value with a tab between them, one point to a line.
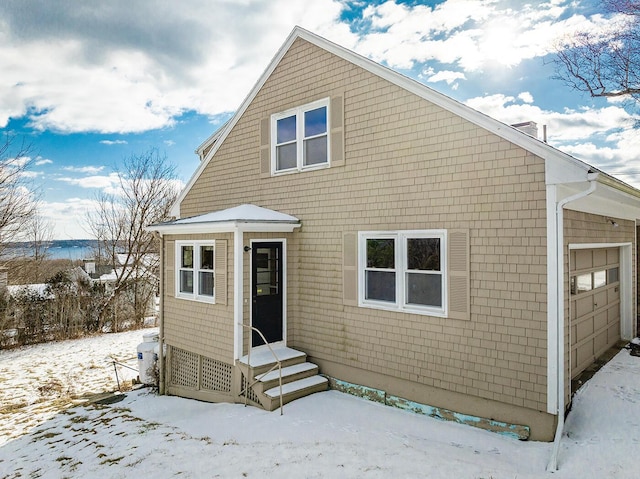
195	270
300	138
403	270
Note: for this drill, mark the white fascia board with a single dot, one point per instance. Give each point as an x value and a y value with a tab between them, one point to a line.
607	200
211	139
203	228
227	227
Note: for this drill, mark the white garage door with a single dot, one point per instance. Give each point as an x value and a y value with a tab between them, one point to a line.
595	305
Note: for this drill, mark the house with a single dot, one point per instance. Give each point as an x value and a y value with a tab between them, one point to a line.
410	247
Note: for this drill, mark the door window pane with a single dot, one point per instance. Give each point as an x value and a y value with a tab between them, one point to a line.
380	286
267	275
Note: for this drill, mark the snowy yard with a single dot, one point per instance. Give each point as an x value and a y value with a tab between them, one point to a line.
327	434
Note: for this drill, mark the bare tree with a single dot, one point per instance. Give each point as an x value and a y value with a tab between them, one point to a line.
35	236
17	203
604	63
147	189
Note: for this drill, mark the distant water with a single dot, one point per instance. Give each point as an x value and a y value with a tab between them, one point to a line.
57	249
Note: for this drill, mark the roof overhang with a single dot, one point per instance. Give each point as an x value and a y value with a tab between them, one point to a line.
609	199
246	218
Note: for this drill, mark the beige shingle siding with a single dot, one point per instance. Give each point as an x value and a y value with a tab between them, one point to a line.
202	328
409	165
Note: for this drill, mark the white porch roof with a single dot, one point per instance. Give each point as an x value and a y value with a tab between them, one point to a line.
239	218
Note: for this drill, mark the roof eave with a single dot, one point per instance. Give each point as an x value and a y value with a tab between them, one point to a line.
224	227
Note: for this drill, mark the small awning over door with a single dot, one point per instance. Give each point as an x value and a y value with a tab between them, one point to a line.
244	218
595	305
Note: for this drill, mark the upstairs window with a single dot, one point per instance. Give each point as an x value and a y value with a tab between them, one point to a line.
300	138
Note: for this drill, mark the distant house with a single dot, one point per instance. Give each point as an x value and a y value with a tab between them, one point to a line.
42	290
411	247
144	274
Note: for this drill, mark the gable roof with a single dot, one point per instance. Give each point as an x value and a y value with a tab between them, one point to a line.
561	168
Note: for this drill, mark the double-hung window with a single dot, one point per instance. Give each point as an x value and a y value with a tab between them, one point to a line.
300	138
403	270
195	270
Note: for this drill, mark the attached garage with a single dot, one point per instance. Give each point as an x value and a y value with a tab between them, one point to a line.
594	304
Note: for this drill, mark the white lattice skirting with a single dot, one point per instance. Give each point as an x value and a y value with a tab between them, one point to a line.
193	371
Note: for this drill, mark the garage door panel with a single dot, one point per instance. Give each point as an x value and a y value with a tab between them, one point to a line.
583	306
600	299
599	257
600	342
584	329
595	305
584	355
600	321
583	259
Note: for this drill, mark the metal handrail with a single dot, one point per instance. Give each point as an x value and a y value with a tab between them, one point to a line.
277	365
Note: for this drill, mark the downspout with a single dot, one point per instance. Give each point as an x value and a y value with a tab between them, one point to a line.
161	368
560	323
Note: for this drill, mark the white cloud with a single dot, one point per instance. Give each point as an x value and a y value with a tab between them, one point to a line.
470	34
106	183
169	142
526	97
31	174
113	142
42	161
446	76
132	67
84	169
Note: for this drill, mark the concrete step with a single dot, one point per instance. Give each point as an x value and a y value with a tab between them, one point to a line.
294	390
289	374
263	359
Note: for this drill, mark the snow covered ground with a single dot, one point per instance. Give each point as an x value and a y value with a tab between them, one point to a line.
327	434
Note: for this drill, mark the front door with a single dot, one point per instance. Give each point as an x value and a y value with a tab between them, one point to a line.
267	292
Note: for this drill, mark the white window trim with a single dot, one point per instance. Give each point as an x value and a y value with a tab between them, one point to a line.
401	270
195	296
299	113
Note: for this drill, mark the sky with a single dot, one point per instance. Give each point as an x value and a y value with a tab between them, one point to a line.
88	84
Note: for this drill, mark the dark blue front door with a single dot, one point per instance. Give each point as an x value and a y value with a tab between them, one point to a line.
266	286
